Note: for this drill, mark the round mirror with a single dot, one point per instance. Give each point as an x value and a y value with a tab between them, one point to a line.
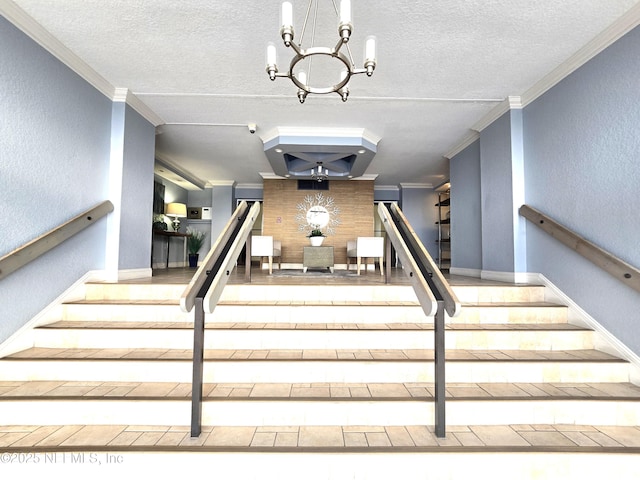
318	216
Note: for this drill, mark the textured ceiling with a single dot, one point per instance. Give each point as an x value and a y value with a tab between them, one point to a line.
443	65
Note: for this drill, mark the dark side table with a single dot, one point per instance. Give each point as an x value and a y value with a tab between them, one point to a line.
169	235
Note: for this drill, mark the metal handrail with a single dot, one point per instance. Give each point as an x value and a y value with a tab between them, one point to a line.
205	289
187	300
451	302
626	273
21	256
432	289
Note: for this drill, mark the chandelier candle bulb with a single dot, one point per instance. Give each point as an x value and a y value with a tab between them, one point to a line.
345	11
271	54
370	49
287	15
344	90
344	22
286	20
302	78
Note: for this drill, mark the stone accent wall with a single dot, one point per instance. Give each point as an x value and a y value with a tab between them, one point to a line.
281	198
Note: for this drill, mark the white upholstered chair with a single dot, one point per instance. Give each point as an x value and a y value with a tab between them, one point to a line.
366	247
265	246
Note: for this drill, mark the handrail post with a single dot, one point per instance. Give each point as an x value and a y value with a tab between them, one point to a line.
198	368
247	259
439	354
387	260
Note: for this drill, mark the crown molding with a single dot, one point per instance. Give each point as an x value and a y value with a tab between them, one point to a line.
495	113
271	176
367	176
464	143
46	40
253	186
221	183
386	188
416	185
55	47
167	163
608	36
122	94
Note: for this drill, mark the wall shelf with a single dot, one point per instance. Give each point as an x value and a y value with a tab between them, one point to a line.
444	232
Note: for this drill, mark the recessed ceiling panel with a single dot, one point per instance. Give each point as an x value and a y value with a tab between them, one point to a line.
345	153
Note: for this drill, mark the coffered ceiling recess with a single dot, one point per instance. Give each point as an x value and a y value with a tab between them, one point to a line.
295	152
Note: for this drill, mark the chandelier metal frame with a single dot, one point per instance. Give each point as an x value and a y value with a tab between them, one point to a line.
319	173
345	27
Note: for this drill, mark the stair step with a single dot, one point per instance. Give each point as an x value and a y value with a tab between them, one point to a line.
322	354
310	311
295	411
274	312
347	369
529	438
53	403
311	366
96	334
317	391
497	292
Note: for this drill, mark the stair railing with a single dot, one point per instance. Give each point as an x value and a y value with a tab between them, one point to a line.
626	273
432	289
205	289
21	256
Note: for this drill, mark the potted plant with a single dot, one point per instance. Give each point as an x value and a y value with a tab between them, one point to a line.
159	223
316	237
195	240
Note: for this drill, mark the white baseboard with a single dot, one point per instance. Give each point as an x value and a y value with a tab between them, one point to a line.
466	272
134	273
298	266
507	277
605	340
161	265
23	337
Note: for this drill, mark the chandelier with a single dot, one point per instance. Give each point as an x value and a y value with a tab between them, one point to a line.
302	78
319	173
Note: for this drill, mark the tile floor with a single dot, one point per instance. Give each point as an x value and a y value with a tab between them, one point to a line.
522	437
318	390
324	354
419	438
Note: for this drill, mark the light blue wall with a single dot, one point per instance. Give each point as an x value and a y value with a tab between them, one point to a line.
418	205
222	206
54	164
496	186
582	150
249	193
386	195
466	214
137	192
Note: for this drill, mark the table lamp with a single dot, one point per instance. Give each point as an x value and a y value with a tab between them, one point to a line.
176	210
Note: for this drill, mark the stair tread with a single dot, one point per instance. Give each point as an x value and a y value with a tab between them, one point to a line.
10	390
419	438
265	303
100	324
315	303
39	353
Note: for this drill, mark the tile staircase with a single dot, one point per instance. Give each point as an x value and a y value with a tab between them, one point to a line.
349	369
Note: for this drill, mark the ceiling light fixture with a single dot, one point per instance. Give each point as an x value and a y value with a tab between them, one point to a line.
319	173
302	78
